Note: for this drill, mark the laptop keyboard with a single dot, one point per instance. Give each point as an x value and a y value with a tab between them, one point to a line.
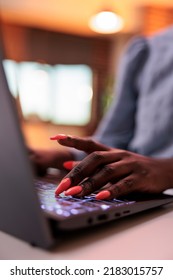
67	205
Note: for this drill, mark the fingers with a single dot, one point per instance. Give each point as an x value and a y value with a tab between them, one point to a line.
109	173
97	161
84	144
103	167
115	172
121	188
87	167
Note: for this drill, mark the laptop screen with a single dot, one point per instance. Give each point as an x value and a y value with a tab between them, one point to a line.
20	213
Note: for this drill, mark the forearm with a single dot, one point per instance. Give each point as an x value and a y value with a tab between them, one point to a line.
166	172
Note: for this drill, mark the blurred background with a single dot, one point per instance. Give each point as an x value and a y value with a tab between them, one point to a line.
61	67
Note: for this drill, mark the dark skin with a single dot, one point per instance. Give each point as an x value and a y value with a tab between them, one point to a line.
119	172
43	159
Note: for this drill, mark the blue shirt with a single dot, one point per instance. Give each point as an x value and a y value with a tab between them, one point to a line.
141	116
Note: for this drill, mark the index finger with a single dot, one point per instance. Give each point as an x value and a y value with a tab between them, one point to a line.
87	145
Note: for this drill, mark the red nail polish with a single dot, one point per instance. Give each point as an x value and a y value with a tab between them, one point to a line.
103	195
58	137
68	165
63	186
73	190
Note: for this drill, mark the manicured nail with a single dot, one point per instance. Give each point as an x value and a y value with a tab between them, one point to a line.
58	137
103	195
64	184
73	190
69	165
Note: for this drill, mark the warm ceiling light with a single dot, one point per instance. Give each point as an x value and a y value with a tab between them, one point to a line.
106	22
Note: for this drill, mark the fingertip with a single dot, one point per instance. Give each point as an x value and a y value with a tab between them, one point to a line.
103	195
63	186
68	165
58	137
74	190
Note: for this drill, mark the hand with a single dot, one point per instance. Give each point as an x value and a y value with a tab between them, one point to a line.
43	159
117	172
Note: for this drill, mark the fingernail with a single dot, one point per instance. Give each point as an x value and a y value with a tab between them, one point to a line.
73	190
68	165
58	137
64	184
103	195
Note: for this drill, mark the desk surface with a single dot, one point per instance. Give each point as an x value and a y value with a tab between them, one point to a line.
147	235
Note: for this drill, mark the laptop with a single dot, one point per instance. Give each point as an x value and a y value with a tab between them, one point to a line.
29	209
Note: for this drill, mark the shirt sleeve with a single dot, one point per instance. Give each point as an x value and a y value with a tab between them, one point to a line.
117	127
